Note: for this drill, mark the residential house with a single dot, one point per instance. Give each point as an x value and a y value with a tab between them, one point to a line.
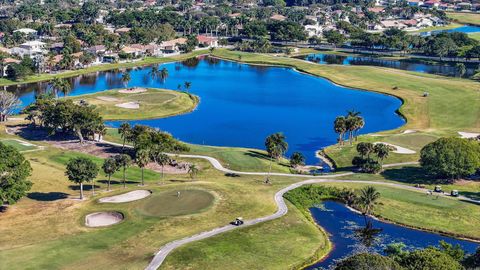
206	41
278	17
30	48
27	32
6	63
172	46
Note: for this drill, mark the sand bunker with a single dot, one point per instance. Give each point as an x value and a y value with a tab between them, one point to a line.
129	105
127	197
132	90
102	219
399	149
468	135
109	99
409	131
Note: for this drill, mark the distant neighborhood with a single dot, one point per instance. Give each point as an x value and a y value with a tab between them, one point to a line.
48	37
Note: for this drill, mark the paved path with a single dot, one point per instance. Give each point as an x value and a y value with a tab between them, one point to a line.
282	210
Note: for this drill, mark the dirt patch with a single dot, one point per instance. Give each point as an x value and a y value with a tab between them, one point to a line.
134	90
127	197
103	219
129	105
108	99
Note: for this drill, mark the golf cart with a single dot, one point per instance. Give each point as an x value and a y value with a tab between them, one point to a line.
238	221
438	189
454	193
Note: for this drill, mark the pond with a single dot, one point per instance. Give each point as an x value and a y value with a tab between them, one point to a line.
343	224
447	69
242	104
467	29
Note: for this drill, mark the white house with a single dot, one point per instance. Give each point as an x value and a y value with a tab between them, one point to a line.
30	48
26	31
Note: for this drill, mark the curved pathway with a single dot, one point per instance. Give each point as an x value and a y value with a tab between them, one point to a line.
282	210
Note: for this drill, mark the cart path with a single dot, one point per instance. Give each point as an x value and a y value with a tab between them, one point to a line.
282	210
217	165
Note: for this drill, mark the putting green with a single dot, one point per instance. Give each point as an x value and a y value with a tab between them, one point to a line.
167	203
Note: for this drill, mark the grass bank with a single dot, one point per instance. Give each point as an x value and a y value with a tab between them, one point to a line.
154	103
465	18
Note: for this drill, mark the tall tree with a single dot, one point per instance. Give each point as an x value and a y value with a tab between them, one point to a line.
276	146
58	85
14	171
164	74
142	158
367	200
124	130
109	168
9	102
81	170
123	161
193	170
382	151
126	79
187	86
340	127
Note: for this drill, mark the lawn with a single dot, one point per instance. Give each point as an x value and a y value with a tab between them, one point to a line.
20	145
475	36
155	103
465	18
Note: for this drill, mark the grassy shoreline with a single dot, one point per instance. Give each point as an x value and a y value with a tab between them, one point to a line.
465	17
154	103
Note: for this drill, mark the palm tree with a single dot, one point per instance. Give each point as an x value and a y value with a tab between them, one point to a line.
60	85
164	74
193	170
276	146
365	149
461	69
126	79
142	158
162	159
124	130
179	87
109	168
123	160
367	200
351	124
382	150
340	127
187	86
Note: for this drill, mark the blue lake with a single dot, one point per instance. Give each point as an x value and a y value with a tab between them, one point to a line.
341	223
242	104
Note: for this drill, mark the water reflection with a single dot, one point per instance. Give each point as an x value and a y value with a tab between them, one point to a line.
447	69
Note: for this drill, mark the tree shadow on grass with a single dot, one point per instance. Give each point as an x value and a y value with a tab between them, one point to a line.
260	155
471	195
85	187
410	175
115	182
47	196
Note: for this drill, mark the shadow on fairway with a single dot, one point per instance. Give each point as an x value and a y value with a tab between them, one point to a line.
47	196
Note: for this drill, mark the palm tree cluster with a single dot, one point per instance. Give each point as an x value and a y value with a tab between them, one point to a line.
150	145
365	161
58	85
348	125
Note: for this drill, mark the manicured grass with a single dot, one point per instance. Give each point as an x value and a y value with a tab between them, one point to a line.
465	18
265	246
154	103
19	145
475	36
169	203
103	67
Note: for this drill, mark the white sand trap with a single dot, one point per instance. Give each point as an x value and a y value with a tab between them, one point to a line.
468	135
102	219
129	105
132	90
105	98
127	197
399	149
409	131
